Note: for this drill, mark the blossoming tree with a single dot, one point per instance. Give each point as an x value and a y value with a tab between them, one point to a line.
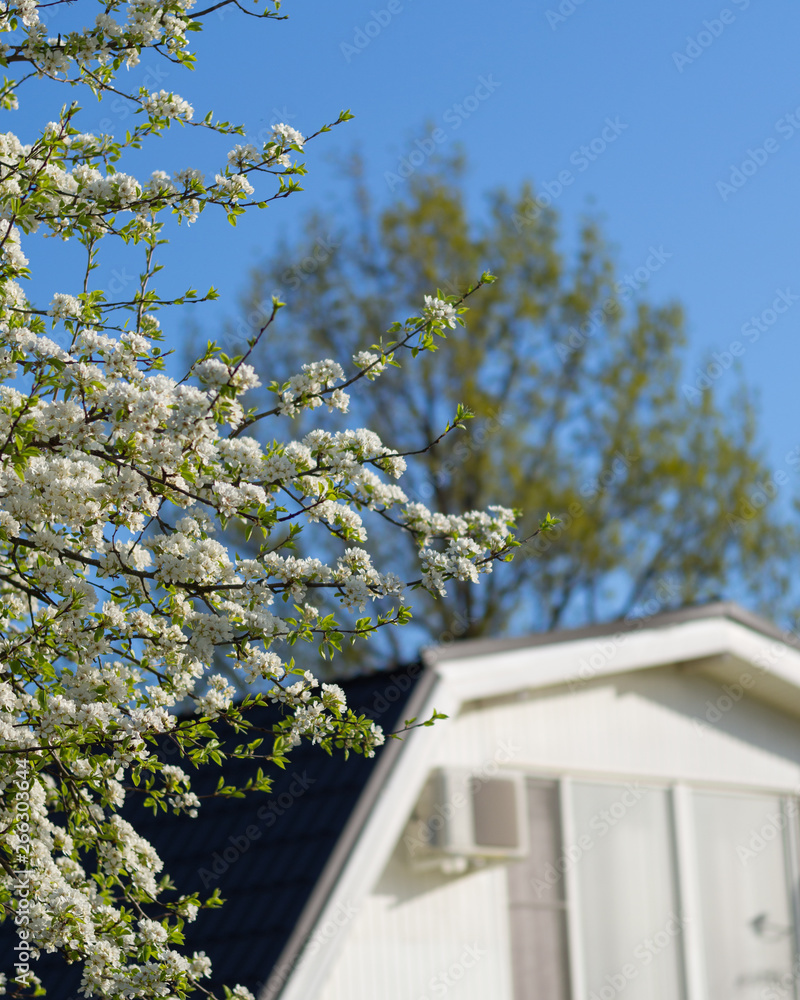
115	478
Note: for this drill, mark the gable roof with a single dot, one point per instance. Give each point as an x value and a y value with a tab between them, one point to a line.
720	640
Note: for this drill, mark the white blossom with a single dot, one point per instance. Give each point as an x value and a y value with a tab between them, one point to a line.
287	134
439	311
166	105
64	307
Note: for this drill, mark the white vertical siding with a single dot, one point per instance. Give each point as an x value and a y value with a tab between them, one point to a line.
423	936
419	937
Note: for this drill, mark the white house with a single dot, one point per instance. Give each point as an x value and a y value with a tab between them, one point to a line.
606	812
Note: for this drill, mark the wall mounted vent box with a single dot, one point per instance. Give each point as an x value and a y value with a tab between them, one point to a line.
463	817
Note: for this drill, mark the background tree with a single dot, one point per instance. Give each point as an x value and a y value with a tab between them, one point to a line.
582	407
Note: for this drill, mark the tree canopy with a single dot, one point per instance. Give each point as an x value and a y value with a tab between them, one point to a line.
582	406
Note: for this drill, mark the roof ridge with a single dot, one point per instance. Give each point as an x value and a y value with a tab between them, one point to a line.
715	609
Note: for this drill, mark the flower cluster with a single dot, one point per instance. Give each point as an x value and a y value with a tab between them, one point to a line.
287	135
166	105
370	362
313	386
439	311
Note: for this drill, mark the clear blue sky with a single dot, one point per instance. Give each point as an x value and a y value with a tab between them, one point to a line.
692	96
